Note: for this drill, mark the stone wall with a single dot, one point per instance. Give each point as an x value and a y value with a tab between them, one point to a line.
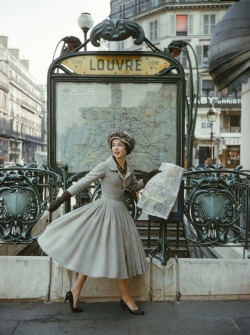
41	279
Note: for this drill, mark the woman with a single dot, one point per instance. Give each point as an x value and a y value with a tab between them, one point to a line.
100	239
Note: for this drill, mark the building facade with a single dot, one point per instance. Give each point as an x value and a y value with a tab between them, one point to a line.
191	22
22	109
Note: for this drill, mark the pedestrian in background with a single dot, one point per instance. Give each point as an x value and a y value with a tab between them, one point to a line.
208	163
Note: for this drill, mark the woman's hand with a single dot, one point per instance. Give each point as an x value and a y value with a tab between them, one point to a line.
56	203
150	175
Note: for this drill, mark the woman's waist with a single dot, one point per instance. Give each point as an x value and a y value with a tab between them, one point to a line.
116	197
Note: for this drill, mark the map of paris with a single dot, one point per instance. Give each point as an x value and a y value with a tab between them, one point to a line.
87	111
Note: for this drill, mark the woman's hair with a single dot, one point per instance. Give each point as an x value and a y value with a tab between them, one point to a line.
125	137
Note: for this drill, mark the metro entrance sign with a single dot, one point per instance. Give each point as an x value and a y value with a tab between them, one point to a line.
92	93
116	64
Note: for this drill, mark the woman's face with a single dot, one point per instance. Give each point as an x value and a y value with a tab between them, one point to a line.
118	148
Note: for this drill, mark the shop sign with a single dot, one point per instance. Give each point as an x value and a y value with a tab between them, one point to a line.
232	141
218	101
206	125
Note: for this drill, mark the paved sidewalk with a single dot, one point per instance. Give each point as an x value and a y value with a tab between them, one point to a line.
107	318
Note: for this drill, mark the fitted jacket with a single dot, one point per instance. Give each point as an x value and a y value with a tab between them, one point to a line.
113	183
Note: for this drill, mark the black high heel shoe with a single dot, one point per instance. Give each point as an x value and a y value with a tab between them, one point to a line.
69	297
132	311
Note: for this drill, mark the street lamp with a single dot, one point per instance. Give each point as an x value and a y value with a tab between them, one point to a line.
72	43
85	22
211	116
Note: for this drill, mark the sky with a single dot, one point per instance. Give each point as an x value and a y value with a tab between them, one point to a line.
36	26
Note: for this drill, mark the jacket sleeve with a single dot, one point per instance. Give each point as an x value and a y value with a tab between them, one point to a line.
136	185
97	173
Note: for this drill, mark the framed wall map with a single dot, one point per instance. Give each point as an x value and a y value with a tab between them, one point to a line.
84	109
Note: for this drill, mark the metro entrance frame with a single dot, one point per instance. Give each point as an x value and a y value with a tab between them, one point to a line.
142	92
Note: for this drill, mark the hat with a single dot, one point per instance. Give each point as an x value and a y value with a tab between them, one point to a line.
125	137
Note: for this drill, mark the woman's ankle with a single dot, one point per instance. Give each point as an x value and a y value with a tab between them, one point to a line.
75	293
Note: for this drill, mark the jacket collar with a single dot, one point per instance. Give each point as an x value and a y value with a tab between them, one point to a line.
113	167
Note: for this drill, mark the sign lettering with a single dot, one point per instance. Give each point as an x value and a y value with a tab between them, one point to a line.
116	65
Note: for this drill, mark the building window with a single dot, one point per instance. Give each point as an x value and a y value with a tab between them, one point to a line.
233	156
202	55
208	88
153	30
121	45
209	21
154	3
138	6
181	25
234	123
122	11
205	56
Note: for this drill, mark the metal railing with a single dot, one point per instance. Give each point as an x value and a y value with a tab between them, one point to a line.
24	195
217	207
216	204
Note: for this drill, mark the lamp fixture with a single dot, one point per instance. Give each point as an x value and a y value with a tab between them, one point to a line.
211	114
85	22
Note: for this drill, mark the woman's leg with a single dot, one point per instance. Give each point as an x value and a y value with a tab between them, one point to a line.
76	289
123	286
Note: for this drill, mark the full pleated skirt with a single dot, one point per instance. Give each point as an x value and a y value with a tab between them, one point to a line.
99	240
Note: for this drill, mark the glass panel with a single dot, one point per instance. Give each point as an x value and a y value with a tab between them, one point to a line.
86	112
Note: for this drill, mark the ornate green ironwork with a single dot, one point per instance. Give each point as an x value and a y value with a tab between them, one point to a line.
214	204
174	49
24	194
117	30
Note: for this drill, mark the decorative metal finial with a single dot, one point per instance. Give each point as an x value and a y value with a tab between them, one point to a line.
117	30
